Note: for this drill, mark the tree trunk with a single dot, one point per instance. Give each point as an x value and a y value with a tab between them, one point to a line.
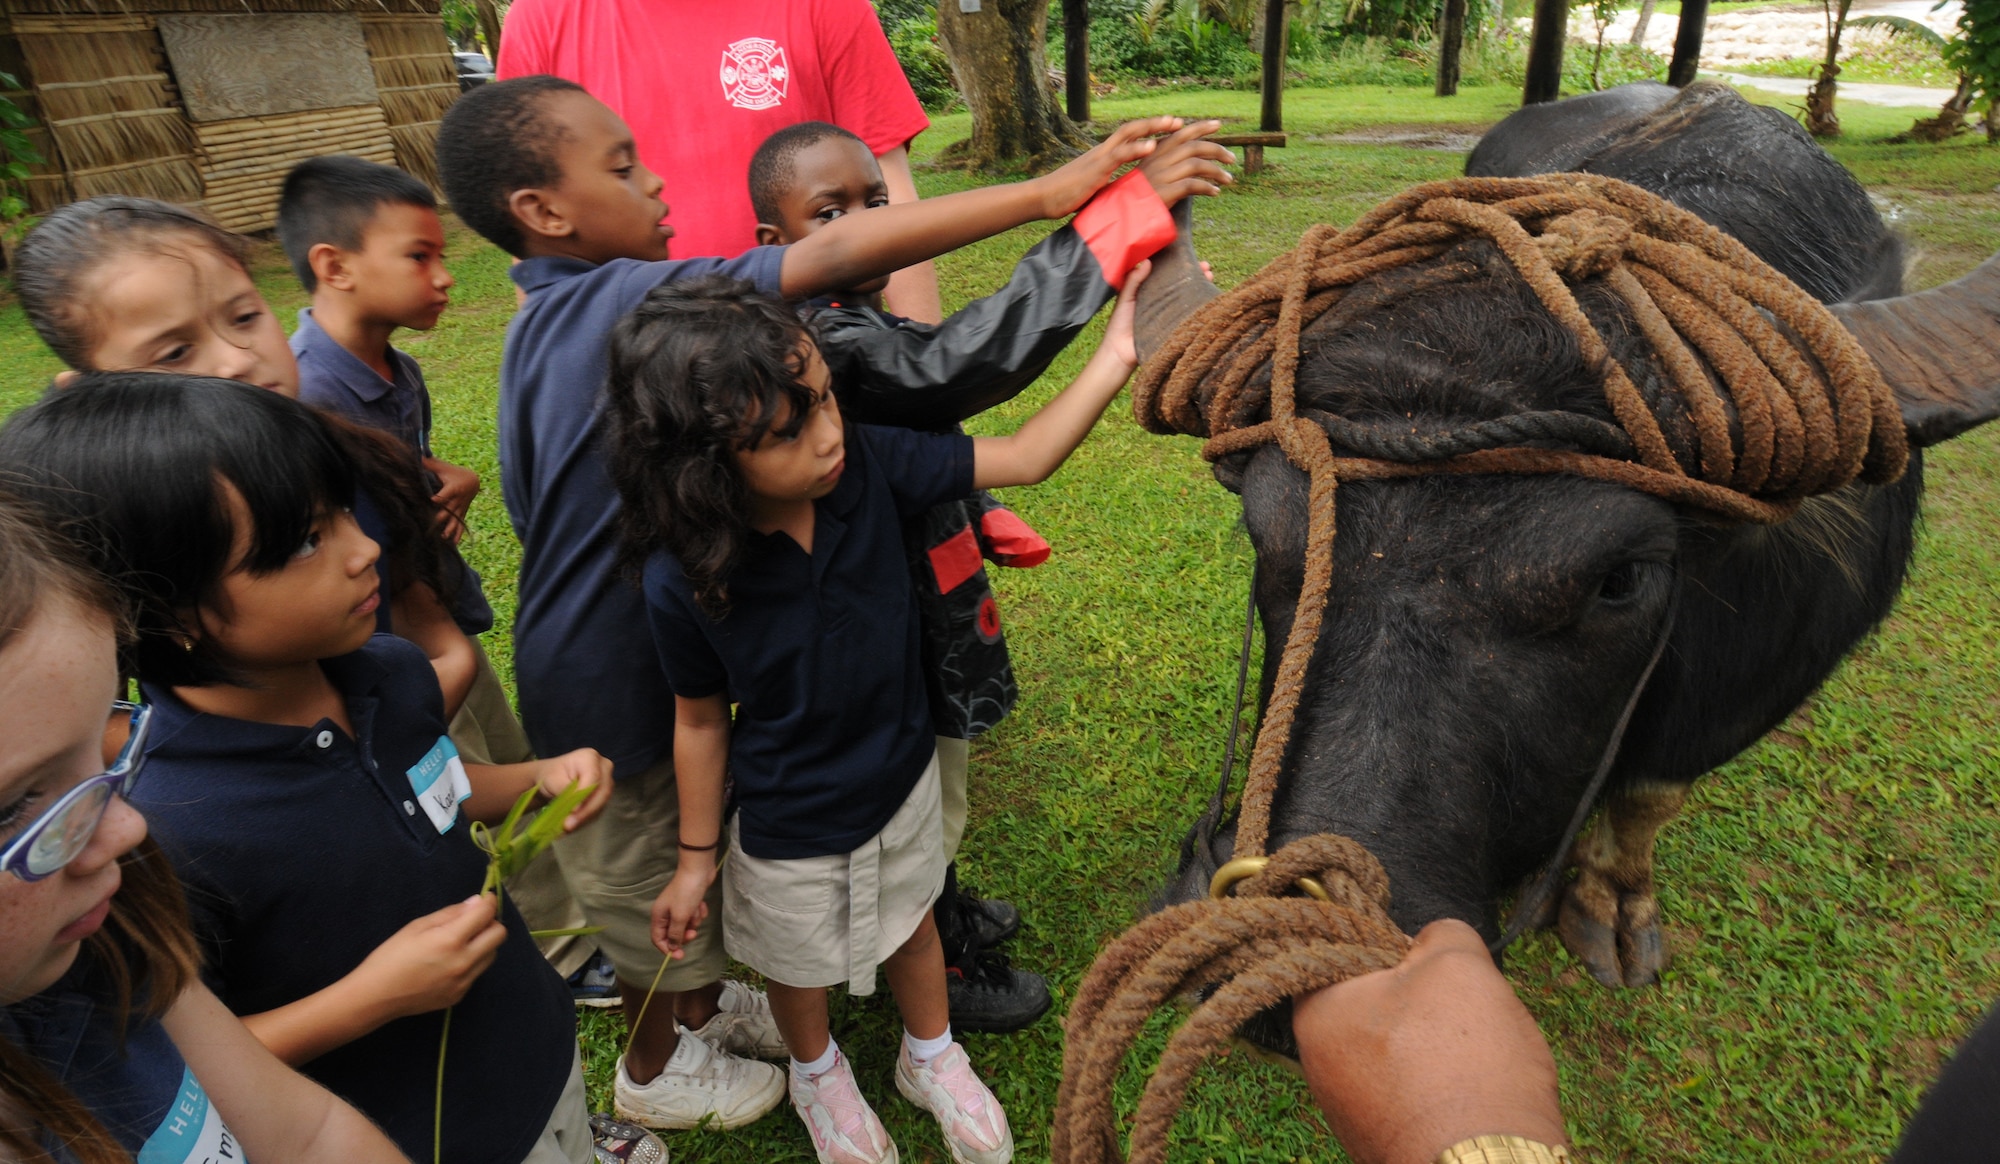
1451	40
1821	119
1273	81
999	53
1645	18
1076	58
489	27
1687	43
1545	52
1950	120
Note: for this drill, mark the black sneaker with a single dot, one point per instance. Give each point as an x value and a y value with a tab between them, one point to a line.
595	983
994	997
989	920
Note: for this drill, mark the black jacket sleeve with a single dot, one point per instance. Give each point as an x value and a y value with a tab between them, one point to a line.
896	371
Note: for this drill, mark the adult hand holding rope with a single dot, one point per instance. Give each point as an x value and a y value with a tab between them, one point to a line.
1410	1061
1435	1059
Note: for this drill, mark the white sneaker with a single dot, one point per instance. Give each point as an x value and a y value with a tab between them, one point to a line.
843	1127
744	1025
699	1084
974	1127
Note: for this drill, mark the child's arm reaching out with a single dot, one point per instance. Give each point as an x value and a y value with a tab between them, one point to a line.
1034	452
701	752
860	247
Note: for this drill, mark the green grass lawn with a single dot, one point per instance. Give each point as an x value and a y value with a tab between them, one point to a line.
1830	896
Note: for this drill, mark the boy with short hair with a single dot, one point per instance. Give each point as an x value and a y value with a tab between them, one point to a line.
366	241
551	175
892	370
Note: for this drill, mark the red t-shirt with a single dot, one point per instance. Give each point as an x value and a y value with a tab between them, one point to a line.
703	84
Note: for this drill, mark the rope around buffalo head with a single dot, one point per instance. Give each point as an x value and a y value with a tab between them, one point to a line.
1810	414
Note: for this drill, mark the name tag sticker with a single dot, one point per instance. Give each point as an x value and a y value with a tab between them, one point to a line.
192	1133
440	784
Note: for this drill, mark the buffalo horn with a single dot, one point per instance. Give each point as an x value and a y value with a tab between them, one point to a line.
1939	351
1174	289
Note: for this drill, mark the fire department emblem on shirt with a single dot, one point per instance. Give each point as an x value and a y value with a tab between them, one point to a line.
754	73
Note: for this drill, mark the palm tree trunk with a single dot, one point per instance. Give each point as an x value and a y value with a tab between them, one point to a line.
1645	18
1821	118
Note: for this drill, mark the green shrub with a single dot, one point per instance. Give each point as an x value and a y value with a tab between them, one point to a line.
1622	63
924	63
1133	38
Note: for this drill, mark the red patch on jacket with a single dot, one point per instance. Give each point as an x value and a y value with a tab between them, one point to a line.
955	559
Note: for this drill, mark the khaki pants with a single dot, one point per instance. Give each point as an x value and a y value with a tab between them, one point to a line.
485	731
567	1138
616	867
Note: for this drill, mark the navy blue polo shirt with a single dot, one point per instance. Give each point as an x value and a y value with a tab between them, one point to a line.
135	1083
303	849
822	652
337	380
581	665
333	378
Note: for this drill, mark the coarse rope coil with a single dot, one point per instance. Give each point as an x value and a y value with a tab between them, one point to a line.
1794	407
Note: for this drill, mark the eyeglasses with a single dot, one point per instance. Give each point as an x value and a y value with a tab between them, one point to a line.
53	839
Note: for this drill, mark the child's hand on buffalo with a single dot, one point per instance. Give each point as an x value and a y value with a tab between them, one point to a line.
1118	343
1409	1061
1068	188
1186	163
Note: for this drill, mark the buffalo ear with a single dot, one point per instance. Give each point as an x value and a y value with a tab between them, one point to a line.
1939	351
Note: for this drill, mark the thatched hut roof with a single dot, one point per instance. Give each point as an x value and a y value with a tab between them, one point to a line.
212	101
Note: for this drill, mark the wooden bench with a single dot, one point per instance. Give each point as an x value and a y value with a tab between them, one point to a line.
1252	145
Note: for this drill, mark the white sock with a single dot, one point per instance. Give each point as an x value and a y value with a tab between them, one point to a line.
819	1066
922	1051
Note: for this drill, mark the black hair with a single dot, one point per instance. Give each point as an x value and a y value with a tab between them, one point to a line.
129	467
772	167
332	200
699	371
495	140
71	242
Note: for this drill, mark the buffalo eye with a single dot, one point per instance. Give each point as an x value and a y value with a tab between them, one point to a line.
1620	584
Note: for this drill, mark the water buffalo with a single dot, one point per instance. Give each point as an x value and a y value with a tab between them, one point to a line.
1483	633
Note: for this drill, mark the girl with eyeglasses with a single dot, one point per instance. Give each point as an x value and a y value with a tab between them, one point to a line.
110	1046
298	771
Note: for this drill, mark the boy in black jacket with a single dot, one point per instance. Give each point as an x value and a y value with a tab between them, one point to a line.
890	370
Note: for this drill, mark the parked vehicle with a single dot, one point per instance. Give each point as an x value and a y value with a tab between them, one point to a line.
473	69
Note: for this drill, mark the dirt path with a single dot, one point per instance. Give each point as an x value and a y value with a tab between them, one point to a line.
1774	33
1912	96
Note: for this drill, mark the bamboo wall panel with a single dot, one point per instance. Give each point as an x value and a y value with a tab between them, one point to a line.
119	7
112	112
244	161
236	66
416	80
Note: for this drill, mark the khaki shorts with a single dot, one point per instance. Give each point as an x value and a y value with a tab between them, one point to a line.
954	757
821	921
617	865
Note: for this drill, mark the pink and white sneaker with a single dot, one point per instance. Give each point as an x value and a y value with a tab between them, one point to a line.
843	1127
975	1129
